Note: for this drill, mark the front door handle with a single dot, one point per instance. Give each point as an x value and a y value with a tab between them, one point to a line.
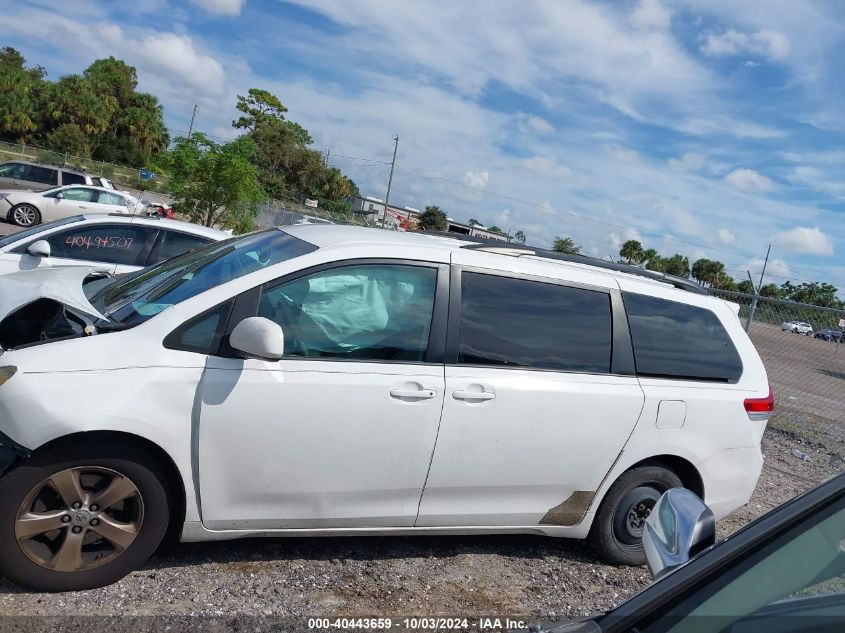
418	394
473	395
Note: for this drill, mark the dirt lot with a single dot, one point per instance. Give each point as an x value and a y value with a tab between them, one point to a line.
534	576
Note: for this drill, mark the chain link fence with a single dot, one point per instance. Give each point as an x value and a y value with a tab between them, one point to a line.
128	177
803	348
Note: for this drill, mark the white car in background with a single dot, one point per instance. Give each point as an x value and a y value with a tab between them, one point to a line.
798	327
28	208
112	243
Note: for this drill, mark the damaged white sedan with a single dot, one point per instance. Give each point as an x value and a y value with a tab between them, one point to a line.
327	380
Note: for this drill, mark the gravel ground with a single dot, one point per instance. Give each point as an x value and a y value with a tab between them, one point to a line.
538	577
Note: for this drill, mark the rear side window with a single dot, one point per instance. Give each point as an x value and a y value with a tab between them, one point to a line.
69	178
173	244
105	197
43	175
676	340
521	323
13	170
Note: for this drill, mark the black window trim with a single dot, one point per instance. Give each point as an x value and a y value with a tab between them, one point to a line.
246	305
621	348
172	340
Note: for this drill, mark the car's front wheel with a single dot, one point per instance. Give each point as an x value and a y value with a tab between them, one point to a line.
82	518
25	215
617	531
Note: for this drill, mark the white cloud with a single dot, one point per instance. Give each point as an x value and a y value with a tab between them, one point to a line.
770	44
804	239
546	166
725	236
691	161
750	63
221	7
533	123
749	180
476	179
776	268
651	14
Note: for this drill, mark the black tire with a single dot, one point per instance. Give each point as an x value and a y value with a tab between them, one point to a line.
128	462
613	536
17	222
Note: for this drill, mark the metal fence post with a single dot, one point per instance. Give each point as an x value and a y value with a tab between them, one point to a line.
753	303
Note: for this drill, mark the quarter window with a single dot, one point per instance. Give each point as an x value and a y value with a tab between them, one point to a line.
677	340
69	178
174	243
521	323
368	312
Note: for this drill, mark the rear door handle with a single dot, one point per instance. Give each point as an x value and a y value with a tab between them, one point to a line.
418	394
473	395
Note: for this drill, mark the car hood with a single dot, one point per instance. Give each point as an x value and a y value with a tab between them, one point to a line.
61	284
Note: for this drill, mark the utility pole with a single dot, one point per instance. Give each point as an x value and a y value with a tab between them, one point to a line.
193	115
390	180
753	307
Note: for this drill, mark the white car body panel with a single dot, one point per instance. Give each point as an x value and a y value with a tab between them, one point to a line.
307	447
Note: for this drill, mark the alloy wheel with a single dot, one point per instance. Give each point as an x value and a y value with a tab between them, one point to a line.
25	215
79	518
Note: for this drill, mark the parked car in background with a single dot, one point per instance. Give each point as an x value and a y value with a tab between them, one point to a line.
798	327
117	243
28	208
784	572
830	335
157	209
23	175
330	380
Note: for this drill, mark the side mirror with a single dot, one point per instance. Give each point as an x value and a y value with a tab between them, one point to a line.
678	528
257	337
60	195
40	248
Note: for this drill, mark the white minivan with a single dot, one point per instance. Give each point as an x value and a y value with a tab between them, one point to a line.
333	380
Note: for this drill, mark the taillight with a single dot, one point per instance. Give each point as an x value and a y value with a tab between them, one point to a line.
760	409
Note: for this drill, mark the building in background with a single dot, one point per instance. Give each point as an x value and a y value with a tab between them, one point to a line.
406	218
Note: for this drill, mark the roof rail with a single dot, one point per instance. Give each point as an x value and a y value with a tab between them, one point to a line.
500	247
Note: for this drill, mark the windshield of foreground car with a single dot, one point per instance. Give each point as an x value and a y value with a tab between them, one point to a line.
39	228
133	299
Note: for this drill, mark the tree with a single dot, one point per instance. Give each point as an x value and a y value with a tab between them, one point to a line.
433	219
21	105
814	292
495	229
474	222
69	138
519	236
745	286
566	245
632	252
677	265
709	272
214	184
259	107
771	290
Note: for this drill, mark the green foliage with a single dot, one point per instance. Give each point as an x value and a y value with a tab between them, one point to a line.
216	185
632	252
745	286
101	104
433	219
771	290
474	222
566	245
709	272
519	237
496	229
815	293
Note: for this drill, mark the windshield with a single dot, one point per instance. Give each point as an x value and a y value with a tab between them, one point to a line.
41	228
137	297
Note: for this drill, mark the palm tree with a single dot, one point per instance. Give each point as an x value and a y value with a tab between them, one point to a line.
566	245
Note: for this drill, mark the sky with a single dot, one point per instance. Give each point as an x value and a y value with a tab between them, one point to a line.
711	128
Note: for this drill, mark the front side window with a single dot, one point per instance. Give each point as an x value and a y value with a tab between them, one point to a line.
800	577
100	242
79	195
368	312
677	340
43	175
13	170
137	297
519	323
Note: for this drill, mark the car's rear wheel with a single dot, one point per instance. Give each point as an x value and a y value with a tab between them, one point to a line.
79	519
617	531
25	215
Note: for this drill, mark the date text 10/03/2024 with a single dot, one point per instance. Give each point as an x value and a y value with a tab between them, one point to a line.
486	624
